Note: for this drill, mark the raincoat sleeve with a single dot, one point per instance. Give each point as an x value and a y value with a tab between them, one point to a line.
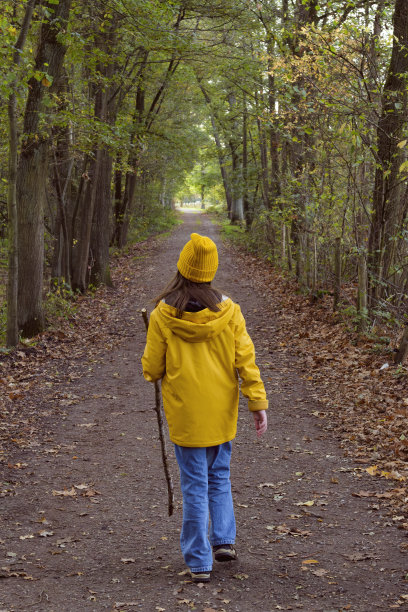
154	356
252	386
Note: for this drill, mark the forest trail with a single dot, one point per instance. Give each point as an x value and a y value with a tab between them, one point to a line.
103	540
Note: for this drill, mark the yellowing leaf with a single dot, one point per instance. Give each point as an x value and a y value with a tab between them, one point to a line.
372	470
306	503
402	144
309	561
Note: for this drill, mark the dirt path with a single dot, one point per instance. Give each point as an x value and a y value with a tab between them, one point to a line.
103	540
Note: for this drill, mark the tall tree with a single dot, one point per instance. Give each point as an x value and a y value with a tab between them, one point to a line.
390	196
12	289
33	167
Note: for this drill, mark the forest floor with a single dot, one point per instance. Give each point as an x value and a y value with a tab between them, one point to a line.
320	500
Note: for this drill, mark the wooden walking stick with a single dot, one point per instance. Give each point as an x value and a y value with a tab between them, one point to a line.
159	414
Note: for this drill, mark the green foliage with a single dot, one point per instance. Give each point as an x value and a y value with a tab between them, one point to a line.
232	232
308	94
157	221
60	303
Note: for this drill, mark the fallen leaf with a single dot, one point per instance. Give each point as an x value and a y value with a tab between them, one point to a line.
364	494
130	560
309	561
65	493
359	556
319	572
90	493
306	503
241	576
45	534
372	470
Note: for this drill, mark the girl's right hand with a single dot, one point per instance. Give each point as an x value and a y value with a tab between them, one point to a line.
261	421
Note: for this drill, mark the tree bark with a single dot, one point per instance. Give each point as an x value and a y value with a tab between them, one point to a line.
107	112
237	204
388	209
402	351
125	205
12	283
32	172
337	274
63	161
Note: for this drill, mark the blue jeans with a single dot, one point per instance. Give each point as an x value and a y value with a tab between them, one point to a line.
206	487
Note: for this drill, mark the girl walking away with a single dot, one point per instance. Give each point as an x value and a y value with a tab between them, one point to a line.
197	344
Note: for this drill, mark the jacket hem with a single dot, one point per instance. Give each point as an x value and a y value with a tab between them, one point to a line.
201	444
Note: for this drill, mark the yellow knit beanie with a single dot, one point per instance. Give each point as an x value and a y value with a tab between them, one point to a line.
198	259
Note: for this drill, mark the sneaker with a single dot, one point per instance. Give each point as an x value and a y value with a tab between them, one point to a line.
200	577
225	552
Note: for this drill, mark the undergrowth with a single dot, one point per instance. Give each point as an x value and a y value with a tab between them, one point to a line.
158	220
381	330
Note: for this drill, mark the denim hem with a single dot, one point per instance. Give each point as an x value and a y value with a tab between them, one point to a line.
200	570
222	542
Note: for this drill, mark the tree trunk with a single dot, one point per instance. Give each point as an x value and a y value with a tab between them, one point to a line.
247	211
337	274
402	351
237	204
362	292
273	133
301	156
221	159
64	240
81	254
100	272
33	170
100	235
12	284
63	165
387	215
263	150
125	206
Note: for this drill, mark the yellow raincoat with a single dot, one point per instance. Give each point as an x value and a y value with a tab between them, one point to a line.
198	359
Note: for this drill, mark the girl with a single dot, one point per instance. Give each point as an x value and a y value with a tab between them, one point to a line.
197	344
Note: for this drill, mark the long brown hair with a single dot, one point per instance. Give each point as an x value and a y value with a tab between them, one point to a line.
180	291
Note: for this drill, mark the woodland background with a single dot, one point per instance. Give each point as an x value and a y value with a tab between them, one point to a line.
289	118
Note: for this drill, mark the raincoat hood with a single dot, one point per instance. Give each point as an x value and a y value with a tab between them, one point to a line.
197	326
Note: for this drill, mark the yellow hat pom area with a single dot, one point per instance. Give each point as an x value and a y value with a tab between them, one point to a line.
198	259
